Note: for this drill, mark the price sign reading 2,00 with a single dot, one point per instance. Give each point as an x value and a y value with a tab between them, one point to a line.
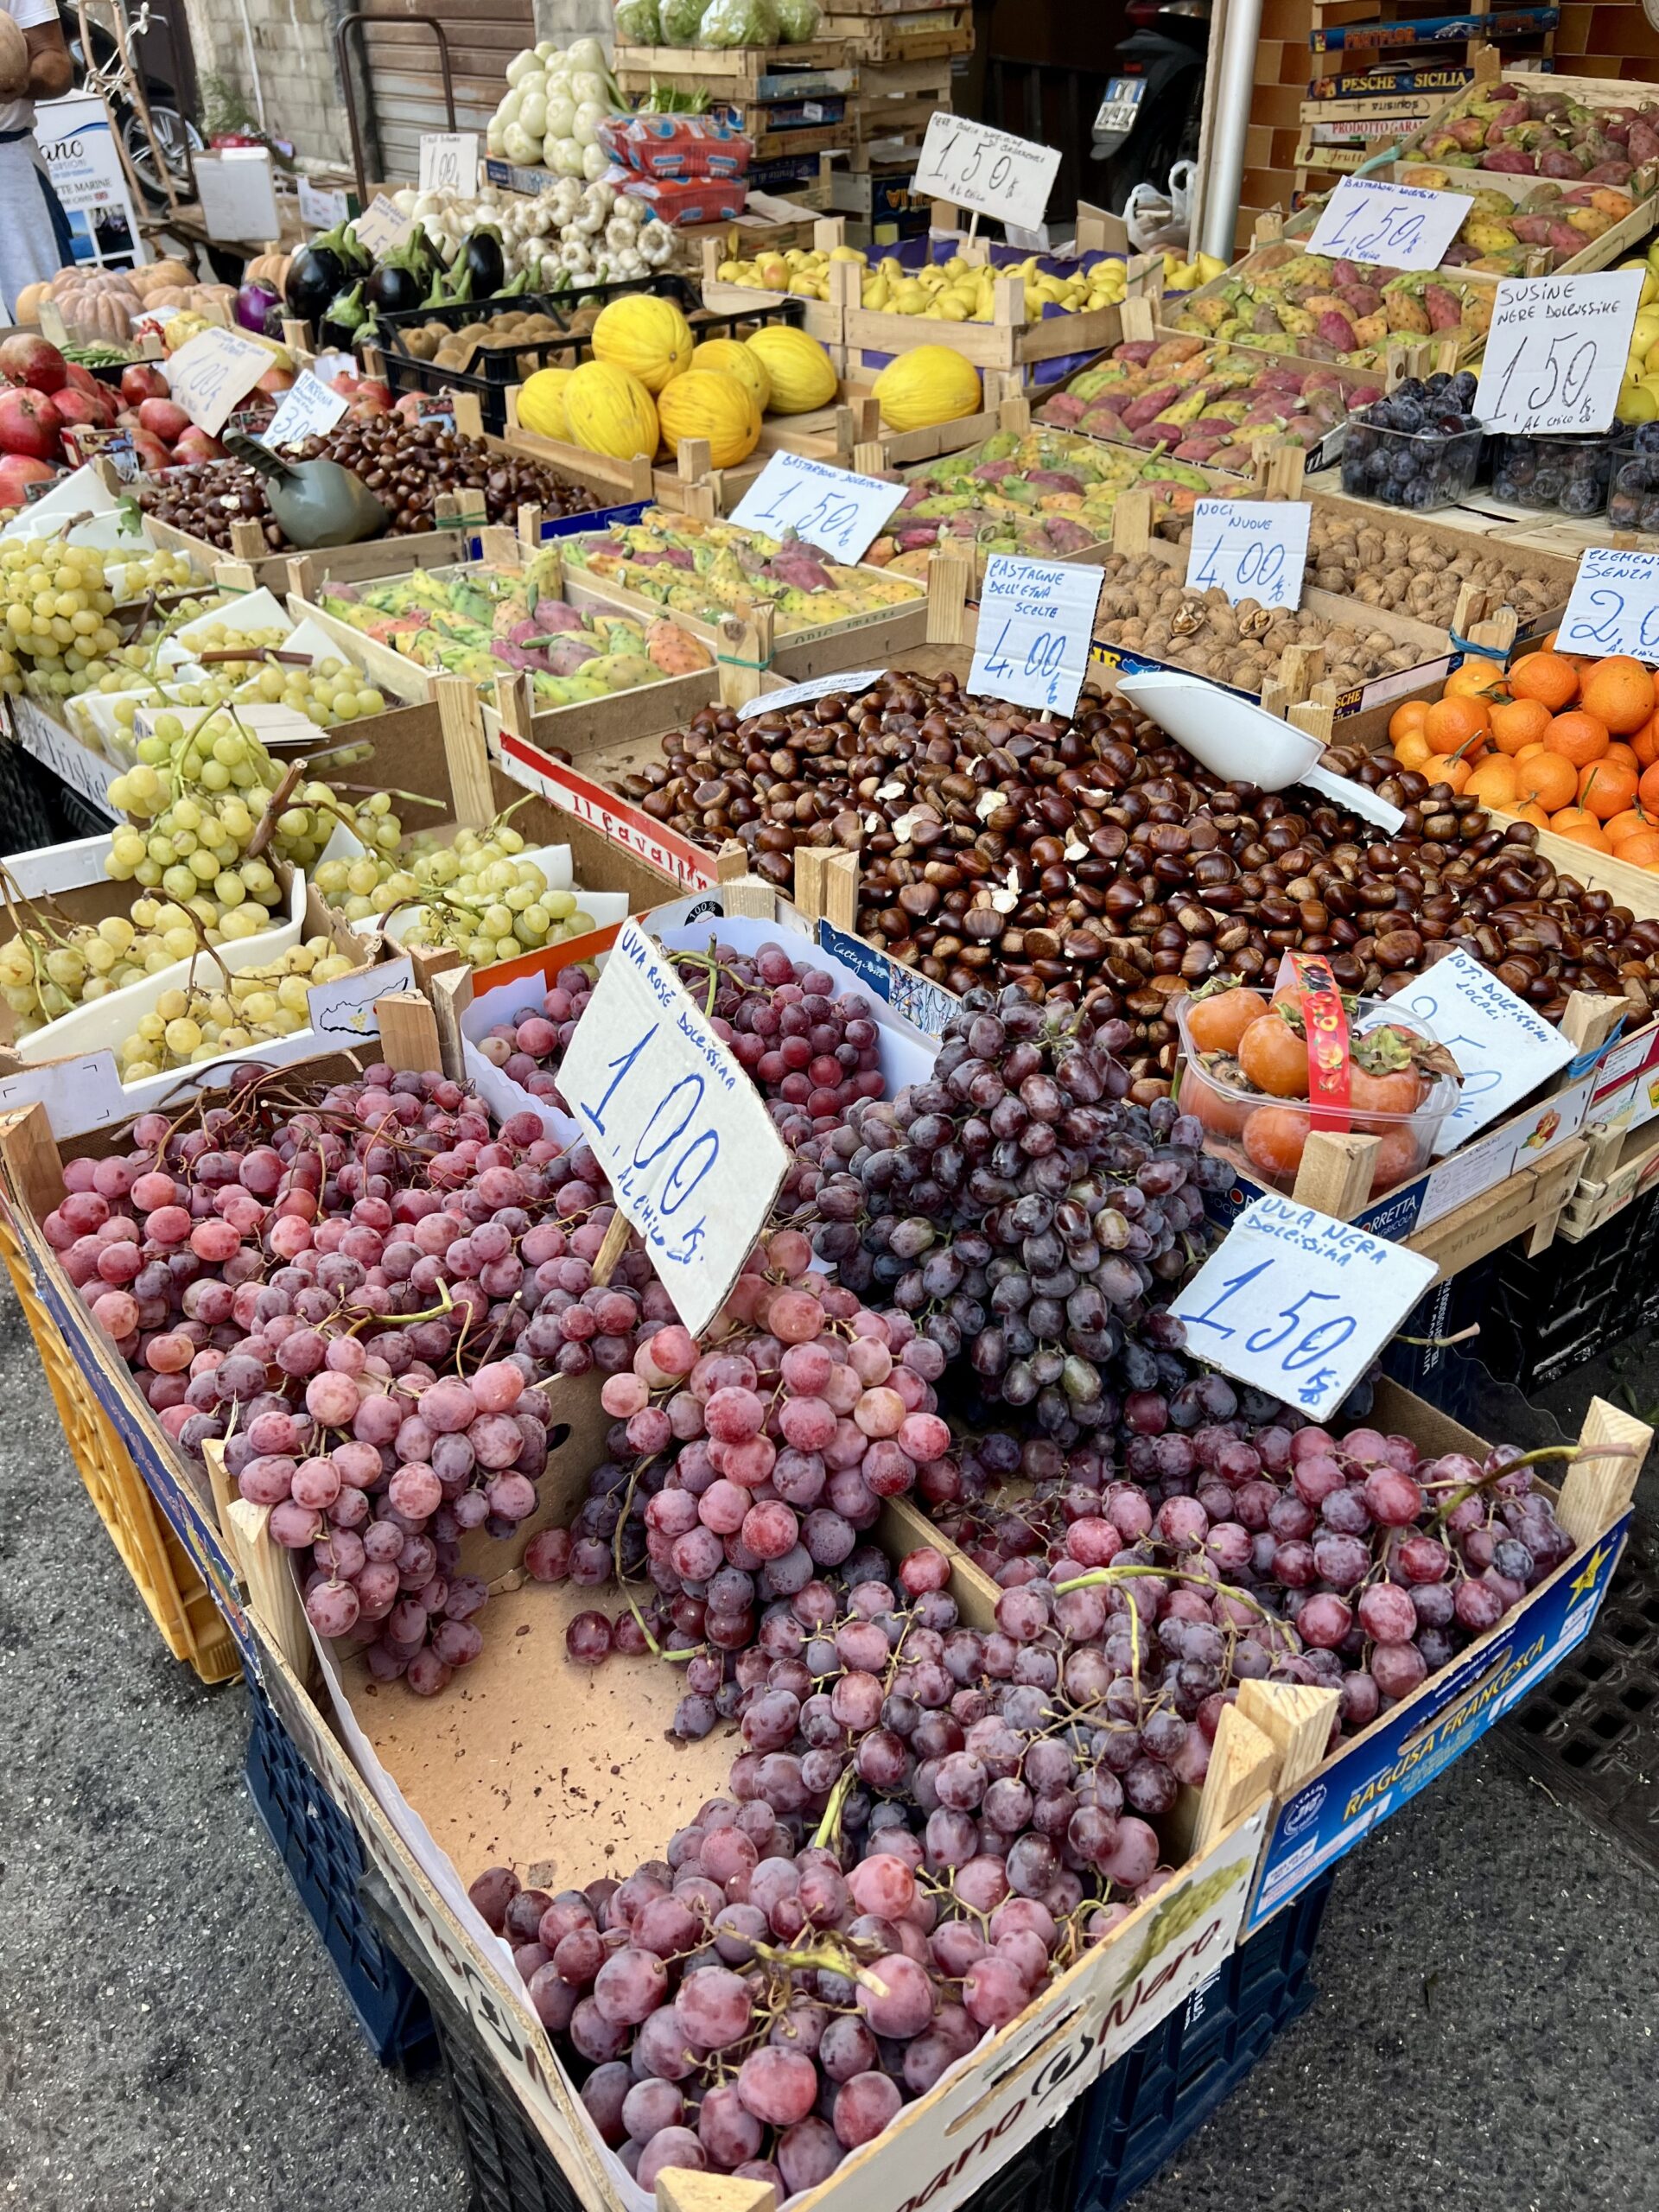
1611	631
1044	657
1315	1339
1563	375
661	1131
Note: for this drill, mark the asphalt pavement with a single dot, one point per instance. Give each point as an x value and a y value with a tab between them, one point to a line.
173	2037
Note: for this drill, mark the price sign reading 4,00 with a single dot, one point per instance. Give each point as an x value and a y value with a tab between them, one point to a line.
1614	607
830	508
691	1153
986	170
1250	550
1556	350
1036	624
1298	1303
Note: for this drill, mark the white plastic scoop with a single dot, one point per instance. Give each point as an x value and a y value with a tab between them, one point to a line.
1245	744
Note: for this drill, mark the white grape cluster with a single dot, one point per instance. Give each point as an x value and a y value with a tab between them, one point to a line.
57	604
199	1022
476	895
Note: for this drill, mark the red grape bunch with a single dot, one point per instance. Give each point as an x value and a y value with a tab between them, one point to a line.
359	1294
1351	1562
922	1828
812	1052
739	1473
529	1046
1025	1212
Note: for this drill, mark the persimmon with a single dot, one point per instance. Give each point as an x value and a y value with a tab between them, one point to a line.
1275	1139
1399	1154
1222	1114
1274	1058
1217	1023
1399	1091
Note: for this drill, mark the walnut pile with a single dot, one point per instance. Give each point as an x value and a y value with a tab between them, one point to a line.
1146	609
1409	573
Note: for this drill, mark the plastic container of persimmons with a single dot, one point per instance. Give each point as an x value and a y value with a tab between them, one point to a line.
1570	744
1244	1073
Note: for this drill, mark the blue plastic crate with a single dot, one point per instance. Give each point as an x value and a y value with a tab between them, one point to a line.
1144	2109
318	1845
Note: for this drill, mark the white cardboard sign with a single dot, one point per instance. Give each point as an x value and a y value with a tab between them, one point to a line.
1503	1048
84	771
1036	626
1250	550
1298	1303
830	508
1556	350
380	227
210	373
988	171
819	687
306	409
1614	605
449	162
1401	225
694	1159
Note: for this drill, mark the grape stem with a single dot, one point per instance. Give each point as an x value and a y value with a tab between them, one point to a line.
1568	1452
829	1829
1100	1575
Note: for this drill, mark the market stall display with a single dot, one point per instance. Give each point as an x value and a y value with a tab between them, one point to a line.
644	1125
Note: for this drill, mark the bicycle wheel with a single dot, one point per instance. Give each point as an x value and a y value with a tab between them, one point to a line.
176	136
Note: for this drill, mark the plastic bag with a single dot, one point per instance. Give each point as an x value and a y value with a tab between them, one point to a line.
798	21
681	21
1156	219
638	23
740	23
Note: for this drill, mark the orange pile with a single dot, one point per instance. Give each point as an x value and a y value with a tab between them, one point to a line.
1571	746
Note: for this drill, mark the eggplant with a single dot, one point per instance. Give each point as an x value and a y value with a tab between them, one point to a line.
319	272
343	318
481	255
396	286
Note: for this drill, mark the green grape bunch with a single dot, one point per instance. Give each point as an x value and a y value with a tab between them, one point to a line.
58	634
197	1021
476	895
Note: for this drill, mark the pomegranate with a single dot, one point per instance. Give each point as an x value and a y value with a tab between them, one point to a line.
81	380
275	380
143	381
16	469
81	409
29	424
27	358
163	419
194	444
151	453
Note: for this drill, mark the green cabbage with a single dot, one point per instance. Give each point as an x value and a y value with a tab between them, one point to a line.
638	23
740	22
798	21
681	21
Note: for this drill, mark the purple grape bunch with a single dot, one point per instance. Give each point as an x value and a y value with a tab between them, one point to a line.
811	1051
1026	1213
529	1046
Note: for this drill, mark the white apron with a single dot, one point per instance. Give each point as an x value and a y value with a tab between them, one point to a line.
29	251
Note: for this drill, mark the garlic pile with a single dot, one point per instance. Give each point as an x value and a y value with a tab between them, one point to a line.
555	103
571	232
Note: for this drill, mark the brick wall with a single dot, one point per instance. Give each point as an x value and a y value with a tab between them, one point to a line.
286	48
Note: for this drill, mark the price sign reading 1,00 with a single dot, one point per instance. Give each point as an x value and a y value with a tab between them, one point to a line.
670	1120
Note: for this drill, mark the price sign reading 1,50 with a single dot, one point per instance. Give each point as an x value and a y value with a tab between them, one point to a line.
1400	225
829	508
1556	350
986	170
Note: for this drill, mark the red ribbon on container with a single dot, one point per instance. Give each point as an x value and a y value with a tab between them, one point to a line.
1329	1061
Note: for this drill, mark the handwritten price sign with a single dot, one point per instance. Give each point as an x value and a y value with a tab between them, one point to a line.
972	166
210	374
305	408
380	227
692	1154
1401	225
830	508
1036	624
449	162
1298	1303
1555	354
1614	607
1503	1048
1249	552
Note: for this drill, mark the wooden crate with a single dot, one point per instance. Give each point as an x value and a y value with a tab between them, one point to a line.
725	73
926	34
